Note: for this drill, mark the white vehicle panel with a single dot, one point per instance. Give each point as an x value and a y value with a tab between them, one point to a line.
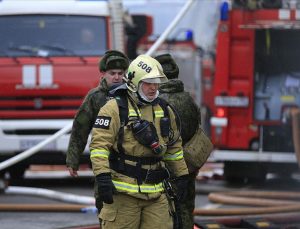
11	143
13	7
253	156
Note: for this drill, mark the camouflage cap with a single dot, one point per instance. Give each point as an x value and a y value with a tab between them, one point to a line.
169	65
113	59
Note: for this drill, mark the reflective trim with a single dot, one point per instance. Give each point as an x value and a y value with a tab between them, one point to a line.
99	153
232	101
151	188
126	186
218	122
138	188
131	112
159	113
174	157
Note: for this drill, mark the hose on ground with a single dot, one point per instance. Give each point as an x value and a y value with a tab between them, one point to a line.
247	211
42	192
245	198
80	203
47	208
235	221
225	198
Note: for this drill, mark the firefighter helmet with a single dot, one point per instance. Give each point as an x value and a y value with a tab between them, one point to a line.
144	68
169	65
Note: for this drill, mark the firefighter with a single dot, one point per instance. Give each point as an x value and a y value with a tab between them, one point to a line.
130	153
196	145
112	67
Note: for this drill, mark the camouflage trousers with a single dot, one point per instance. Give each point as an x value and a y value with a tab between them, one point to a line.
187	205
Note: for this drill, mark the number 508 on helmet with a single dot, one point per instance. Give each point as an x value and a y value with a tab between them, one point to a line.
143	68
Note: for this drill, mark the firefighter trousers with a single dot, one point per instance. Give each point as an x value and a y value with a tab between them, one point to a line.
129	212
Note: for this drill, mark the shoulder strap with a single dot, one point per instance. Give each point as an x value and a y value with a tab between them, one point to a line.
123	114
164	105
123	109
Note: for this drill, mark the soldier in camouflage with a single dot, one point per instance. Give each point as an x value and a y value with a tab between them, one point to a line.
189	113
112	68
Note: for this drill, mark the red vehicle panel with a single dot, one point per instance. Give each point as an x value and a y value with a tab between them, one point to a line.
254	89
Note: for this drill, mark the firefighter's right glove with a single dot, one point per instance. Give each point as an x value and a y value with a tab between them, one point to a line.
106	187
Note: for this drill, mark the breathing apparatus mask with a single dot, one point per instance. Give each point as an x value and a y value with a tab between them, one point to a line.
145	133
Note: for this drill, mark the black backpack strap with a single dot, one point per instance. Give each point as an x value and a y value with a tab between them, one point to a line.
123	109
164	105
123	113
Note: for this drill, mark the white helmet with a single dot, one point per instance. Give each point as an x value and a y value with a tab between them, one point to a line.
144	68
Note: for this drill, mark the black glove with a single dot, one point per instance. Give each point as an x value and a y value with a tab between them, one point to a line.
106	187
181	185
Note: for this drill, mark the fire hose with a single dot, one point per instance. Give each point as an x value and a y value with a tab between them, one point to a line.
250	198
44	207
80	203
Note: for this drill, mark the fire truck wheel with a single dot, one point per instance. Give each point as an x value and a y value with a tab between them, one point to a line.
244	172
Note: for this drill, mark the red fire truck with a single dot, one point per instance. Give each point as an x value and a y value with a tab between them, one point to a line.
49	53
255	85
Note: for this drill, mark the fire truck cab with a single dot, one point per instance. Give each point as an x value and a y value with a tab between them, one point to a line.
48	62
255	86
49	53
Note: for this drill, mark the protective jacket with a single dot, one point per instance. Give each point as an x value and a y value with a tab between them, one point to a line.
83	123
104	145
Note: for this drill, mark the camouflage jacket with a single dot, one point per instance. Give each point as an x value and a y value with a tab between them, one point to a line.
83	123
188	111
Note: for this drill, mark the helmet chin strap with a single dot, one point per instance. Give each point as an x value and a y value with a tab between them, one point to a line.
143	96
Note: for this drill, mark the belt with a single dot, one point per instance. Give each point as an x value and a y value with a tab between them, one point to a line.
148	176
143	160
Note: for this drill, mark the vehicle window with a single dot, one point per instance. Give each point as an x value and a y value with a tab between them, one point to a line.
277	74
52	35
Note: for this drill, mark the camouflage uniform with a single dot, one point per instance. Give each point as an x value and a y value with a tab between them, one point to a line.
87	112
84	121
83	124
189	113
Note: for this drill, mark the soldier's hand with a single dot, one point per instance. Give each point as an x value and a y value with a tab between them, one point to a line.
73	172
106	187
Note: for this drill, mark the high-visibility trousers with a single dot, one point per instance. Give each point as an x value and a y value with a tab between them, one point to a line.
129	212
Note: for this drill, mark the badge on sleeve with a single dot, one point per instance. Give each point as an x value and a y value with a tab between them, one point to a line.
102	122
